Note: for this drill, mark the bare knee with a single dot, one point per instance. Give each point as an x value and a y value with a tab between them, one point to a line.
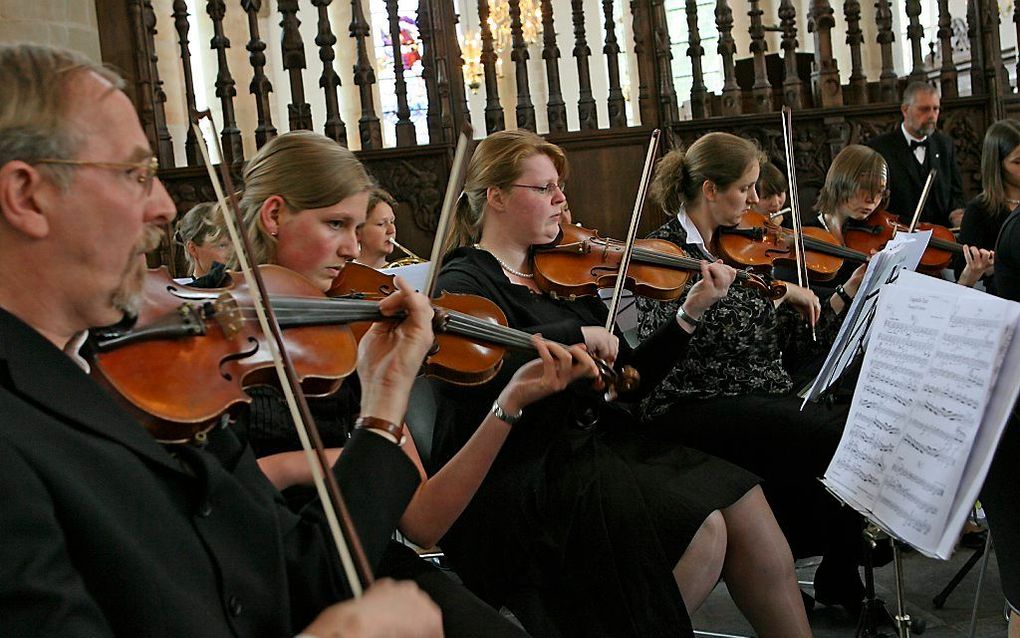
712	532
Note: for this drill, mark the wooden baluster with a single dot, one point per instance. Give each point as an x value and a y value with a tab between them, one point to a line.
260	85
885	38
233	150
996	78
793	91
494	120
586	113
429	73
858	88
616	105
556	108
641	26
977	76
519	56
727	48
699	92
826	74
334	127
164	143
364	77
761	91
405	127
669	112
180	15
915	33
948	74
293	48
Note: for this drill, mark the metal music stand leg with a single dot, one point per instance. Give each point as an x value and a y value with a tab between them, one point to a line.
902	617
874	613
981	579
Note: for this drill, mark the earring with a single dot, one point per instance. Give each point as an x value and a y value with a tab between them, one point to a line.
273	234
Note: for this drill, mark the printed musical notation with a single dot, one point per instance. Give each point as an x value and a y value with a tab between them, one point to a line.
922	392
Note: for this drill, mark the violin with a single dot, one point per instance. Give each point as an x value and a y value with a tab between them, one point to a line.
581	261
760	244
472	335
874	232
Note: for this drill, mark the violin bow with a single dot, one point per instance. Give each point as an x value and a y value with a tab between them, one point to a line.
454	185
798	227
635	217
345	537
922	201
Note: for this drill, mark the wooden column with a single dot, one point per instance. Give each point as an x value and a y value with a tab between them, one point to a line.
793	90
858	88
429	73
334	127
293	48
180	15
260	86
947	73
644	51
828	88
915	33
164	145
405	132
233	150
699	92
668	110
369	127
996	78
761	90
727	48
616	105
587	115
885	38
525	112
556	108
494	118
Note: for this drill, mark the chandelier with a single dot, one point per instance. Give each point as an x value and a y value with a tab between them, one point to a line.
502	37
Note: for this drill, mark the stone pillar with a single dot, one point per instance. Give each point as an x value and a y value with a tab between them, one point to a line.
65	23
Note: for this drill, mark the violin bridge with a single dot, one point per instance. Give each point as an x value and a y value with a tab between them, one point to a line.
227	313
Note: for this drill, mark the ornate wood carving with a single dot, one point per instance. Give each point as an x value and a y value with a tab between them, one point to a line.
828	89
996	78
180	15
915	33
792	87
519	56
586	114
293	48
885	38
369	126
615	103
233	151
948	74
494	118
761	91
260	85
556	108
405	127
857	91
727	48
329	81
699	92
977	74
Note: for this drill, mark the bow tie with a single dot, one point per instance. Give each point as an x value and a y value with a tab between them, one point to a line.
914	144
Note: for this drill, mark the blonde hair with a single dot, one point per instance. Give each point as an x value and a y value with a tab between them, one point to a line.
854	168
380	196
497	162
201	224
36	83
1000	140
720	158
307	170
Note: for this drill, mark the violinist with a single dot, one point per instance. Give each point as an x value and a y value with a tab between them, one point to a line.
105	531
856	185
771	188
732	396
584	527
204	245
1000	193
380	228
310	225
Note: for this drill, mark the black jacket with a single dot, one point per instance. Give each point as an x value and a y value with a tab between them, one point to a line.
106	532
906	176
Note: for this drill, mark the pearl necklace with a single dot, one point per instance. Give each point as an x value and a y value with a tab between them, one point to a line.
502	264
1013	202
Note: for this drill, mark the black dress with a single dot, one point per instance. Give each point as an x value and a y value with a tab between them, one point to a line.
1001	493
979	228
732	396
577	527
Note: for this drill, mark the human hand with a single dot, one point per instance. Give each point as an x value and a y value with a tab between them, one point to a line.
714	284
805	301
390	354
979	263
556	368
853	284
388	609
956	218
601	343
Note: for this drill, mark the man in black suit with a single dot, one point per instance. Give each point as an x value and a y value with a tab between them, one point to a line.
912	150
104	531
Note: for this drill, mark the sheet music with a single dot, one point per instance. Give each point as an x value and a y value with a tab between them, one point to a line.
921	399
415	274
903	252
